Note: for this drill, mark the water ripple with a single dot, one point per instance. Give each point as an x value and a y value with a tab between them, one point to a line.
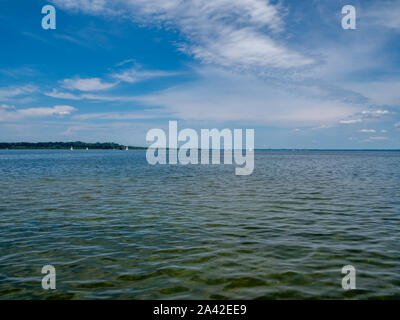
116	227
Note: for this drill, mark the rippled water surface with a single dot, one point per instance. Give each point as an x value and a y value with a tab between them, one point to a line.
116	227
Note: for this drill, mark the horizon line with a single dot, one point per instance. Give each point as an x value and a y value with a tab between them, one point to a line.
147	147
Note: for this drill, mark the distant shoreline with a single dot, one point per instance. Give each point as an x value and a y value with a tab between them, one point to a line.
76	145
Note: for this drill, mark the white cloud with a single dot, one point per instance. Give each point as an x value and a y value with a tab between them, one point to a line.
376	112
225	32
17	72
322	126
62	95
145	114
86	96
379	138
39	112
131	75
368	130
350	121
88	84
11	92
223	96
90	6
385	13
380	93
220	95
19	114
245	48
5	106
134	75
383	131
124	62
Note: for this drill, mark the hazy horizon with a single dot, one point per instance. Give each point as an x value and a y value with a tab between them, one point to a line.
265	148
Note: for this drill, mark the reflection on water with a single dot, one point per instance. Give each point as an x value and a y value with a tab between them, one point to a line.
116	227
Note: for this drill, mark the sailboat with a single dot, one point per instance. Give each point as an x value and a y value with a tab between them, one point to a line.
87	148
126	149
72	149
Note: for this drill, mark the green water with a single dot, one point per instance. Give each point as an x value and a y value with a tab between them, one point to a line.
115	227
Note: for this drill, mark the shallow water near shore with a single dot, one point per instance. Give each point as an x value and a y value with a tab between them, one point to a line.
116	227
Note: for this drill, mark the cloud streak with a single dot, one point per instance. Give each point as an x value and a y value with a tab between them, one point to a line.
19	114
11	92
223	96
229	33
352	121
88	84
134	75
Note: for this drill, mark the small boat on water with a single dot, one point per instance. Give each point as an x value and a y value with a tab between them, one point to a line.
72	148
87	148
126	149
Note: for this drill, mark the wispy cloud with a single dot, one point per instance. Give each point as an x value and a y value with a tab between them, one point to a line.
367	130
222	96
10	92
376	112
5	106
131	115
89	96
124	62
35	37
136	75
322	126
71	39
385	13
19	114
131	75
384	92
63	95
223	32
352	121
379	138
22	72
88	84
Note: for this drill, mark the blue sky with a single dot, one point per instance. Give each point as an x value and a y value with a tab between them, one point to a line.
112	70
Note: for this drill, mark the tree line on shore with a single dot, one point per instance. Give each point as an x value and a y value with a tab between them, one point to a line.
64	145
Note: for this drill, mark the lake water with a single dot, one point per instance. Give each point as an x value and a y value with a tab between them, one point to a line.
115	227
